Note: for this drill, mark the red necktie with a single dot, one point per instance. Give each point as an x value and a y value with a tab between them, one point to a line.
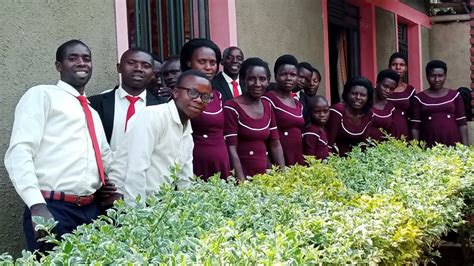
131	108
235	88
95	144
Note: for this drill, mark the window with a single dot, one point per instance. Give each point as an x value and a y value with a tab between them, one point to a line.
163	26
344	45
403	44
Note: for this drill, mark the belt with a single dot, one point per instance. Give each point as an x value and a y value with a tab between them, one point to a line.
70	198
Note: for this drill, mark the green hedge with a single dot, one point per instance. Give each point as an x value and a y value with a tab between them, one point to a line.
389	204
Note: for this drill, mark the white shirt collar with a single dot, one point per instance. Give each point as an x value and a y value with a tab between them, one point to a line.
229	79
175	115
68	88
122	93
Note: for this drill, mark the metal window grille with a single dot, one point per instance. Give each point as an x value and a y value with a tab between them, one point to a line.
163	26
403	44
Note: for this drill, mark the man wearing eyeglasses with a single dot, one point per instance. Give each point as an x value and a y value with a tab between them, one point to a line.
160	138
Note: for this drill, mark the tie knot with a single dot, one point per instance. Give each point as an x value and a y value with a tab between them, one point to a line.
132	99
234	83
82	98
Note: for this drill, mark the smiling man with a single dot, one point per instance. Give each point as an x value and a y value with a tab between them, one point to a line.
160	138
58	152
118	106
227	82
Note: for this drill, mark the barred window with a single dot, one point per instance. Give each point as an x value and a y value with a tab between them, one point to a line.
403	44
163	26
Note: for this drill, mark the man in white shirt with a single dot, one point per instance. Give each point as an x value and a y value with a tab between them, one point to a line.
227	81
159	139
118	106
58	152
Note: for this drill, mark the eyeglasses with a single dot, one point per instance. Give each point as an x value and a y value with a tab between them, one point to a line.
194	94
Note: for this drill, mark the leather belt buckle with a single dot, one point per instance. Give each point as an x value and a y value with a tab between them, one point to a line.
78	201
73	199
83	200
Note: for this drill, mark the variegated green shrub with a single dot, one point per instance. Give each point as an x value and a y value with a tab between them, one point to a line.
387	205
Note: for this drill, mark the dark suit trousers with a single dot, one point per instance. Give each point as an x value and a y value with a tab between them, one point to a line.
68	215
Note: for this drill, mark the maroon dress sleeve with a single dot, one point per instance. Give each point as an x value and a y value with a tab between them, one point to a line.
231	117
410	99
415	109
392	130
274	135
332	126
459	112
309	142
369	116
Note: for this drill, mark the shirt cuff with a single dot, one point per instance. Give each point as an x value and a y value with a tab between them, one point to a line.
32	196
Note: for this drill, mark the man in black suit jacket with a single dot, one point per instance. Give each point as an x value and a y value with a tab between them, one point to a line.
117	106
227	82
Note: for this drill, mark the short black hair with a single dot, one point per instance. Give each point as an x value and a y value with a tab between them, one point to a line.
436	64
364	82
188	49
286	59
395	56
315	70
155	57
171	58
306	66
230	49
191	72
253	62
136	50
316	99
388	73
60	52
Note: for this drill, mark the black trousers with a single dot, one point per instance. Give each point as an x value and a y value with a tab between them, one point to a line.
68	215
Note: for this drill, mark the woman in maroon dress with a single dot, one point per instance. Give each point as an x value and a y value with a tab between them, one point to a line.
315	140
250	124
288	110
210	151
401	97
387	81
349	121
438	113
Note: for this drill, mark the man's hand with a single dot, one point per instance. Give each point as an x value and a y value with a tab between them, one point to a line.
42	211
107	194
106	190
164	92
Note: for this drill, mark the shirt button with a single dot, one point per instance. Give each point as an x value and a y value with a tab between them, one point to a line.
251	152
429	117
403	113
285	133
449	116
204	136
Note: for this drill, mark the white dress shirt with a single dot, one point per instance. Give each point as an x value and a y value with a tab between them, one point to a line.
229	83
50	147
156	141
120	115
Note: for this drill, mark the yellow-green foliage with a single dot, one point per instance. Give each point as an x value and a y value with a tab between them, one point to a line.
387	205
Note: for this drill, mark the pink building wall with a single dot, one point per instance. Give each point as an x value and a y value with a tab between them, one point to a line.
223	27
